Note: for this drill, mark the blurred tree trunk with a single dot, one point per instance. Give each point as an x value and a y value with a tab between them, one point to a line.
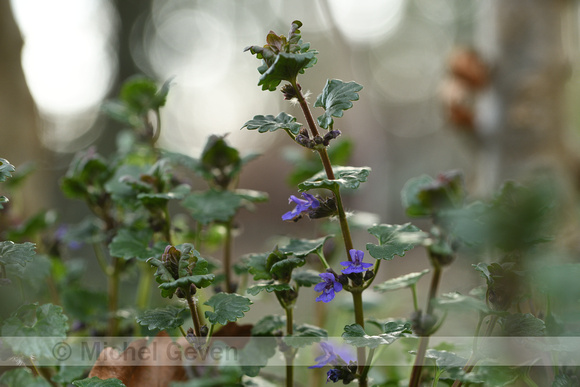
521	113
19	122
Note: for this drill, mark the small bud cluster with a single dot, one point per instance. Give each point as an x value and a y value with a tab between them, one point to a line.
304	139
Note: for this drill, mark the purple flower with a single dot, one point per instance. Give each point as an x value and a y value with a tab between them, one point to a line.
356	265
328	357
302	205
333	375
328	287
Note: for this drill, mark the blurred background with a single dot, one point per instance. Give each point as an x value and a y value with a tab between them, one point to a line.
489	87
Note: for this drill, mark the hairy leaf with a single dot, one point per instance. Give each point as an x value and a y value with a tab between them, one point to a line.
335	98
257	265
458	301
6	169
355	335
128	244
393	240
16	253
270	123
22	329
401	282
345	177
304	335
306	278
269	325
302	247
227	307
285	68
22	376
213	205
268	287
163	318
520	324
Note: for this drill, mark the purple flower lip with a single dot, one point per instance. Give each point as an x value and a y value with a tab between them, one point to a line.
328	357
329	286
302	205
356	265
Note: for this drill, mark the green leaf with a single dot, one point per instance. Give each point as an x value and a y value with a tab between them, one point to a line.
163	318
522	325
302	247
345	177
6	169
394	240
3	200
458	301
252	195
286	67
183	267
306	278
96	382
213	205
562	380
335	98
269	325
201	281
445	359
227	307
304	335
401	282
283	269
270	123
257	265
22	377
22	329
84	304
16	253
413	206
269	287
355	335
128	244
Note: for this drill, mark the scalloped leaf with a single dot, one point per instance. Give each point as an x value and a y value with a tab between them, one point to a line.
401	282
22	377
201	281
355	335
304	335
283	269
306	278
16	253
257	266
227	307
170	317
213	205
286	67
128	244
96	382
6	169
394	240
336	97
269	287
21	330
457	301
520	324
269	325
345	177
302	247
414	207
269	123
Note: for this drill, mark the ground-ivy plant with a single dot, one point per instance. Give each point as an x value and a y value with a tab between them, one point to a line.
161	229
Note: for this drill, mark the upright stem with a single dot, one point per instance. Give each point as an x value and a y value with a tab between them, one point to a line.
343	224
194	314
289	354
424	341
228	257
113	292
360	320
